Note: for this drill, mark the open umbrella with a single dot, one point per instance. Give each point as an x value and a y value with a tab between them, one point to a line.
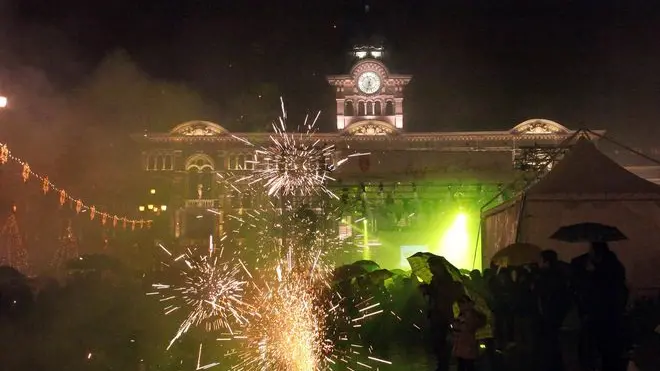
346	272
421	267
420	263
400	273
517	254
367	265
379	275
588	232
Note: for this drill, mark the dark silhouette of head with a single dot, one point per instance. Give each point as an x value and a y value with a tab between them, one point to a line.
465	303
599	250
549	258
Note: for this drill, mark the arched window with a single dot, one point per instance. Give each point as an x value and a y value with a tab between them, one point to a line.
168	163
151	163
161	163
200	170
389	108
377	109
349	110
361	109
249	162
370	108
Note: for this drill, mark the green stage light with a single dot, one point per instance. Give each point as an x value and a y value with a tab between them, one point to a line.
455	243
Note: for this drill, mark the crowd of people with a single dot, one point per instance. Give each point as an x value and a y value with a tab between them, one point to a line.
529	305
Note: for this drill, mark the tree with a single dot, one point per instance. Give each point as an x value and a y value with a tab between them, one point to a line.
13	251
68	248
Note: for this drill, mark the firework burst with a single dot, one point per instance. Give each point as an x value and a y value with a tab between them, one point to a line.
210	291
300	322
293	164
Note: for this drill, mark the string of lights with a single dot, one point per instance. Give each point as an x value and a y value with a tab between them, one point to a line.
80	206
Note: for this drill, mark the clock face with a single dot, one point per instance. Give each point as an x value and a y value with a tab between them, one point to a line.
369	82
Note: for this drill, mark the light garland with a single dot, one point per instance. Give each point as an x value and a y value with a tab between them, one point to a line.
80	206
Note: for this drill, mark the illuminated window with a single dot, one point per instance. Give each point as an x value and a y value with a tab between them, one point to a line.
249	164
389	108
237	162
377	109
349	110
361	109
168	163
151	163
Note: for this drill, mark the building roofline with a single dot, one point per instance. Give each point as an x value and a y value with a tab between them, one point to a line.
500	135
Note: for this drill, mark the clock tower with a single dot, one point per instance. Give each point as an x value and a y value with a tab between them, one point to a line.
369	98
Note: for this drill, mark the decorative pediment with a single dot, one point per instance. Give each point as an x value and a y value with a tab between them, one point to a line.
371	128
539	126
199	129
370	65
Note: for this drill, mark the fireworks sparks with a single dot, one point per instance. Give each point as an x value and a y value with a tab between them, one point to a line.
289	318
211	292
301	323
288	331
293	164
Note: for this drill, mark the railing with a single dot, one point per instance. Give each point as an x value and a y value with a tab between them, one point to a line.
201	203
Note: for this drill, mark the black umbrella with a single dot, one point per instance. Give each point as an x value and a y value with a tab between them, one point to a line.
588	232
517	254
367	265
346	272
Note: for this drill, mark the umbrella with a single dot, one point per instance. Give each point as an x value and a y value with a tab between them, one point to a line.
379	275
421	262
588	232
367	265
347	271
421	267
517	254
400	272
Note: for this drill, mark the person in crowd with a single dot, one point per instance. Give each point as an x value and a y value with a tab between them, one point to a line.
501	287
600	280
465	347
525	316
442	293
554	302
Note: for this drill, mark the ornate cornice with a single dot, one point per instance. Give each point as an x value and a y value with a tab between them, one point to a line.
495	136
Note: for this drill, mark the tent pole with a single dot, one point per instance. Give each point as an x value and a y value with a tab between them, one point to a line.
476	246
523	203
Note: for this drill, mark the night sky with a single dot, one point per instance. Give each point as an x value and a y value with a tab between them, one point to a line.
476	65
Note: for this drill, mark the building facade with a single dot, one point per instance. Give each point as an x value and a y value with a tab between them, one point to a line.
414	191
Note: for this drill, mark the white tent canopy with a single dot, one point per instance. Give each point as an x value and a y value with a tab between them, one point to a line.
585	186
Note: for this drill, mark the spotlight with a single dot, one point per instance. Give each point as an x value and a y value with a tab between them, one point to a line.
152	191
163	207
150	207
141	208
